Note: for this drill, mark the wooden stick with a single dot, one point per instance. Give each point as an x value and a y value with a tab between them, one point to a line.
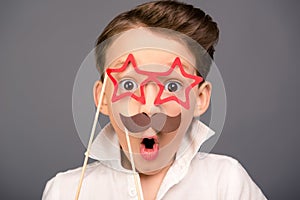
136	176
91	137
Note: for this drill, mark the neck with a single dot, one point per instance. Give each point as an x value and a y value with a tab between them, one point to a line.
150	182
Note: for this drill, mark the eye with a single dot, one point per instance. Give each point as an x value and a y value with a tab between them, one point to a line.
128	85
173	86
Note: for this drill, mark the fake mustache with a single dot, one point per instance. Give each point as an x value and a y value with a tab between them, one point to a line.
159	122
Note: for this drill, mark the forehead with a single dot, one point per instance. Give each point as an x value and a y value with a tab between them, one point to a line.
148	47
153	60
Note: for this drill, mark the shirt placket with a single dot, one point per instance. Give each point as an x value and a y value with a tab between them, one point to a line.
175	174
131	189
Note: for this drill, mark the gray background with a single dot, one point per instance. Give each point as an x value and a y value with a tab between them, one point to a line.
42	45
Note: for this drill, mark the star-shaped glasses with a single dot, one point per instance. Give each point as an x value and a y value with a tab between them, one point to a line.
153	77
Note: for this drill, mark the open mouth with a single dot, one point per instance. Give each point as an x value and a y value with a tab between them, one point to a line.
148	142
149	148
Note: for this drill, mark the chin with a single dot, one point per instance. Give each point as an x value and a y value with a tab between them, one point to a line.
150	172
153	167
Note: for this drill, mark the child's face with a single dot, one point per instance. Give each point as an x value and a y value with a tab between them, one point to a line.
153	94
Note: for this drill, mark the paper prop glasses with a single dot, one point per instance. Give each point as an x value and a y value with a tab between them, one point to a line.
155	77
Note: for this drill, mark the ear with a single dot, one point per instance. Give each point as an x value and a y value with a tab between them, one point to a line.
203	99
97	90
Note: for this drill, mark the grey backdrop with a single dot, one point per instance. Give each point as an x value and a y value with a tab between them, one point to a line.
42	44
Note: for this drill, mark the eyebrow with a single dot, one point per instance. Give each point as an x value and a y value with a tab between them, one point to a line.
185	65
119	62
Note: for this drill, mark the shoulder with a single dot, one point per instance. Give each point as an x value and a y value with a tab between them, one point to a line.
72	175
227	174
213	167
212	159
220	166
213	163
69	180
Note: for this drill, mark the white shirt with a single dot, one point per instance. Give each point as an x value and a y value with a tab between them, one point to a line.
193	175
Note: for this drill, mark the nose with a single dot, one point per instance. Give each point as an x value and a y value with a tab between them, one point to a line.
150	90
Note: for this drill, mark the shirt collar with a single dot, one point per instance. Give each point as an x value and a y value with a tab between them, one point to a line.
106	148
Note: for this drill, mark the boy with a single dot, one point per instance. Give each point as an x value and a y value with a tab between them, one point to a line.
154	60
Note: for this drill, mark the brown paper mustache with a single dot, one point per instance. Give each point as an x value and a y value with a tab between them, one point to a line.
159	122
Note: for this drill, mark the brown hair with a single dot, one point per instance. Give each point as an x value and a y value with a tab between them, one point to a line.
174	15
